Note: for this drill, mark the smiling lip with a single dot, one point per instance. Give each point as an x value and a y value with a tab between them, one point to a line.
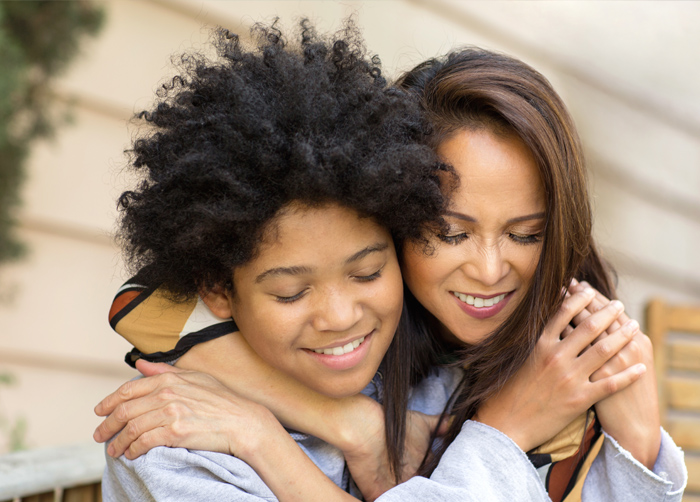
345	360
476	306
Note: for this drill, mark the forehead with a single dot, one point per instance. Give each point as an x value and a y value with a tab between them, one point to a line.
493	169
315	237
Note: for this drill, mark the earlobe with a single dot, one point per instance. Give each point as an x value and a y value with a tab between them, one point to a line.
217	299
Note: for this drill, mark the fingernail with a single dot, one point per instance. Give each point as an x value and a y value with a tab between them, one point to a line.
110	450
630	326
640	369
617	305
588	291
574	282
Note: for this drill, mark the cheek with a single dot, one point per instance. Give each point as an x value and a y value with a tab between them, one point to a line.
424	274
527	264
416	267
387	297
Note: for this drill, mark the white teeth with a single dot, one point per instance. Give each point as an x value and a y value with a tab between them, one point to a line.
479	302
339	351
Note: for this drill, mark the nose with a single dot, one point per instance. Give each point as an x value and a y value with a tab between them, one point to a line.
486	264
336	310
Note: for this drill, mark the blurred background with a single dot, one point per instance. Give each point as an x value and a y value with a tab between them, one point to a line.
627	70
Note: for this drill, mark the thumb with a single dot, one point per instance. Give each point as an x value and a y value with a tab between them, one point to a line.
148	368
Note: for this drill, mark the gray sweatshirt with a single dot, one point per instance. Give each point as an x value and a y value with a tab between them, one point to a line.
482	464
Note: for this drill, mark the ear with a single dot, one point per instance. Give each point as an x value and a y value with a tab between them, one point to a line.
217	299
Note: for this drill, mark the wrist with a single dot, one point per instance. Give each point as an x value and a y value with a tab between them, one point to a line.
264	435
514	430
357	420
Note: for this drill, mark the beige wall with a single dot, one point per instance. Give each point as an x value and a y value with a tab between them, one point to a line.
627	69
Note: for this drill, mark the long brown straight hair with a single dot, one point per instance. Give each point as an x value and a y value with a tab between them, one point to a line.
476	89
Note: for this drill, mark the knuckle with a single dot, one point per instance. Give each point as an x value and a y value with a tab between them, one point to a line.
121	413
126	391
132	429
611	386
603	348
592	324
554	359
171	410
177	430
167	394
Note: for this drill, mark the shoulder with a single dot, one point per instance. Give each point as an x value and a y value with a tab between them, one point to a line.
185	475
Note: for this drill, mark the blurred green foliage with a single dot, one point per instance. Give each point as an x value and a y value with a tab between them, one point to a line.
37	41
14	431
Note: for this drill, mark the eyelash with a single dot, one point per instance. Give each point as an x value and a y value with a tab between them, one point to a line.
290	299
370	277
526	239
518	239
300	294
453	239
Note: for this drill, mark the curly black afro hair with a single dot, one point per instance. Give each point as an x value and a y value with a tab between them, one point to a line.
232	141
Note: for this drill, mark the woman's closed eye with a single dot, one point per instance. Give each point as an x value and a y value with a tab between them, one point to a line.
526	238
454	239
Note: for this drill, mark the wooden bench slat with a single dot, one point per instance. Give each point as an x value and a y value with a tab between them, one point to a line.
684	318
42	497
693	464
684	355
683	393
685	431
85	493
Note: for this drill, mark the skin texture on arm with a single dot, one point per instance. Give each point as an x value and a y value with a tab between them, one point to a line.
354	424
164	410
231	360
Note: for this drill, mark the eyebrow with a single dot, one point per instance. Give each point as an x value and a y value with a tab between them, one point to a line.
380	246
527	217
302	269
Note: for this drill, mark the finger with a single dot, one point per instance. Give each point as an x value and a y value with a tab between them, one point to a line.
138	397
567	331
604	350
150	439
630	354
569	308
591	327
135	428
148	368
600	301
132	389
610	385
123	413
